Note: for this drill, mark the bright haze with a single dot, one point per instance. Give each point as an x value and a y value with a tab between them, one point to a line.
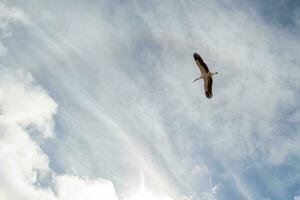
97	100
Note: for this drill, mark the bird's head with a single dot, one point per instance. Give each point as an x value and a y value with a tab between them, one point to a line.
216	72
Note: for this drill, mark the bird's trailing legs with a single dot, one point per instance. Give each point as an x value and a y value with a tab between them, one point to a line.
197	79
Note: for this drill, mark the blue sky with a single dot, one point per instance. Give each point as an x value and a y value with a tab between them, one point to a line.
278	12
97	100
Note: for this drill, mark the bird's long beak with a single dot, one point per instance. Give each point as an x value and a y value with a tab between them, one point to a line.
196	79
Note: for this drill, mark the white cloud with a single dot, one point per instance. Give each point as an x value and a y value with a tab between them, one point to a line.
75	188
20	156
23	104
121	74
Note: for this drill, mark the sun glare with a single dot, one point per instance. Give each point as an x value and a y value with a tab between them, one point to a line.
143	193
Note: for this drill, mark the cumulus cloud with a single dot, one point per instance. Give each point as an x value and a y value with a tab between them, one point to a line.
72	187
23	104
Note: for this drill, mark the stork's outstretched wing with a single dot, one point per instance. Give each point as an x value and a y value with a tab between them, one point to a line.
208	87
201	64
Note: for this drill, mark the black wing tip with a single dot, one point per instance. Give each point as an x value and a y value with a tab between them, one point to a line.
208	95
196	56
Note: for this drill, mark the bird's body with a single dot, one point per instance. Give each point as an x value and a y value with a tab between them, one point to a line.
206	75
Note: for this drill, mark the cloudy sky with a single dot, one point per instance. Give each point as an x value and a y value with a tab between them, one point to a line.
97	100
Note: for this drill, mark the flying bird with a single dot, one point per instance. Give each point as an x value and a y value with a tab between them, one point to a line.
206	75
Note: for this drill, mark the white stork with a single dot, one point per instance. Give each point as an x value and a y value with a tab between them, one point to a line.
206	75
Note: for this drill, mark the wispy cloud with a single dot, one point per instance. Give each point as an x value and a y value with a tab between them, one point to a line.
121	76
